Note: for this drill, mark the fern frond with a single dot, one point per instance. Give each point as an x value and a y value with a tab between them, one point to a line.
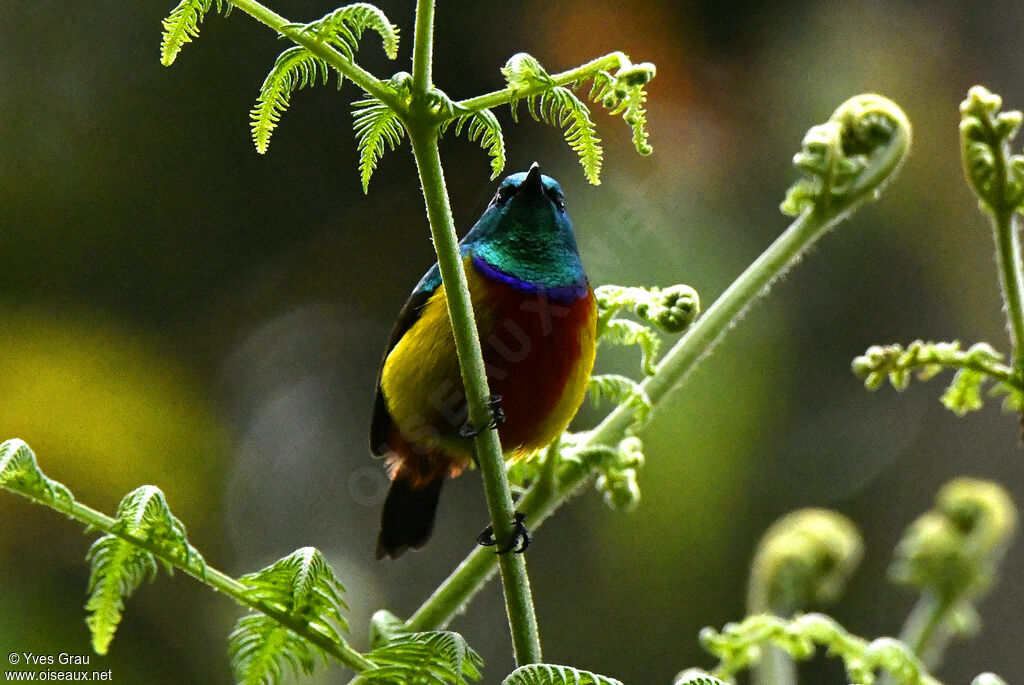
376	126
551	674
484	126
260	648
523	71
181	26
694	677
431	658
975	367
624	392
636	116
343	27
624	94
625	332
671	309
144	514
295	68
303	586
20	472
120	566
560	107
118	569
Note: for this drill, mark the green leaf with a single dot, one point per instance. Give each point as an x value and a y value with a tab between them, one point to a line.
181	26
295	68
144	514
975	366
964	394
430	658
694	677
119	566
20	472
484	126
377	126
260	648
624	94
622	391
343	28
118	569
301	587
560	107
551	674
523	71
671	309
625	332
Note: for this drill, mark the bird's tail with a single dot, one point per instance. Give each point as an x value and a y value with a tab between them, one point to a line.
408	516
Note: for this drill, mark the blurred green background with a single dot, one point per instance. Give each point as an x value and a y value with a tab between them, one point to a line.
179	310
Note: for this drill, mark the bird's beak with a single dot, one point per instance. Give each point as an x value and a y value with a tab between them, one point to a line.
532	184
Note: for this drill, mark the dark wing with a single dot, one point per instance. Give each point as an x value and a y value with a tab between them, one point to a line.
380	425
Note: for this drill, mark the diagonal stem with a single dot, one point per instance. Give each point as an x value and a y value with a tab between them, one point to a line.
349	69
218	580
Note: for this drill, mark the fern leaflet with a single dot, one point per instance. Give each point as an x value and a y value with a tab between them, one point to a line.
295	68
560	107
431	658
20	472
343	27
119	567
376	126
551	674
303	587
181	26
624	392
625	332
483	126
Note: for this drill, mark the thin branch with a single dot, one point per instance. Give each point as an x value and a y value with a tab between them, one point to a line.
518	596
218	580
350	70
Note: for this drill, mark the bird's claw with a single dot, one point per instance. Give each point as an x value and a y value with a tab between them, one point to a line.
468	430
520	536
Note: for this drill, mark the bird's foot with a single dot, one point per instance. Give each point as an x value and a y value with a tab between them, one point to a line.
520	536
468	430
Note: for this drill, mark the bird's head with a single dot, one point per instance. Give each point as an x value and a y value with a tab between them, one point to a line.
529	192
526	232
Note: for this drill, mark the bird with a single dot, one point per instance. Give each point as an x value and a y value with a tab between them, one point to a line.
536	317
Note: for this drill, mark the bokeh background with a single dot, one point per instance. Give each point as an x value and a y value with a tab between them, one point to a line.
176	309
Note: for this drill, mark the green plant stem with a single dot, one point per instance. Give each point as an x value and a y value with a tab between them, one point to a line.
505	96
1008	254
423	136
518	596
542	498
775	667
218	580
293	31
923	631
423	48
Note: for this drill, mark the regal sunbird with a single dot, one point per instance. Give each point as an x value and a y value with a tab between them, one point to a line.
536	316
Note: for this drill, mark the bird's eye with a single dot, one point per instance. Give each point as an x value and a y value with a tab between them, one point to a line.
503	195
558	199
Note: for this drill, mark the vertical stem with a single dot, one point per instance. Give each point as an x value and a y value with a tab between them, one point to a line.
518	596
925	632
423	47
775	667
1008	254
